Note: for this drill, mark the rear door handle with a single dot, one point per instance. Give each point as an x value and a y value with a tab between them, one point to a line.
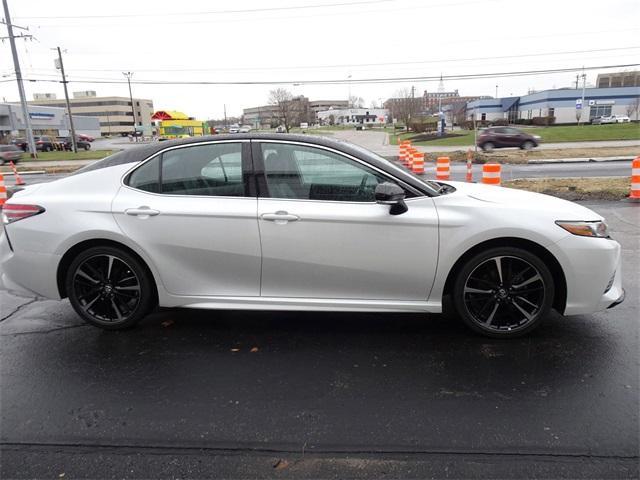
280	217
142	212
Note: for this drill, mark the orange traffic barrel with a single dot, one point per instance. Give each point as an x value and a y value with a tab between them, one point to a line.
491	173
418	163
3	191
443	168
634	194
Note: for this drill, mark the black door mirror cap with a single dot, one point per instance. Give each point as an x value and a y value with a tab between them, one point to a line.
388	193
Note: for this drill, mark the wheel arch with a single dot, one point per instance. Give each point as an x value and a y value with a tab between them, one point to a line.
72	252
560	282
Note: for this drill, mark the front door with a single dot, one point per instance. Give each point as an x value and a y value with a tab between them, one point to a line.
191	210
323	236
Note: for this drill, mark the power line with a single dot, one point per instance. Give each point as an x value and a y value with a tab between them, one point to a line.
213	12
344	65
345	81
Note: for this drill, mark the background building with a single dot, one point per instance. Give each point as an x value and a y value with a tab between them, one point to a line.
301	110
171	124
44	121
618	79
353	116
114	113
560	104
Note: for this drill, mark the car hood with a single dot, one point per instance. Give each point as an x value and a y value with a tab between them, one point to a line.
558	208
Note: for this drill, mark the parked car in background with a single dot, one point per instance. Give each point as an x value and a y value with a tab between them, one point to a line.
606	119
244	129
44	143
505	137
10	153
80	143
21	143
234	129
86	138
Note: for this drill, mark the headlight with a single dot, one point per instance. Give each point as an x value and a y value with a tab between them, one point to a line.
585	229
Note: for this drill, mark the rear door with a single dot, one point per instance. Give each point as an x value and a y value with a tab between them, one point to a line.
193	210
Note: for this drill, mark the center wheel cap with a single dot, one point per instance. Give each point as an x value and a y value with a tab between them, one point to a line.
502	293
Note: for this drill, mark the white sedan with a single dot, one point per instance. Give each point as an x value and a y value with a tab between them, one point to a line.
286	222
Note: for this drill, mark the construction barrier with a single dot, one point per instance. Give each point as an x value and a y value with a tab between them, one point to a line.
418	163
634	194
443	169
412	156
3	191
404	151
19	180
469	166
491	173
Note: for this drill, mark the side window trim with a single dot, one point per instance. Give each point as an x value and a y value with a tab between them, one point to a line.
247	165
261	177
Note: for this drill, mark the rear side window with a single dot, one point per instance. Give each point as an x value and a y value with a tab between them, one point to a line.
147	177
202	170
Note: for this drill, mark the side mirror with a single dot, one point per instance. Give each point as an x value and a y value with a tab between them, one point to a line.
388	193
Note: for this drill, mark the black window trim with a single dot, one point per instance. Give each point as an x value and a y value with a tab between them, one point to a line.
261	178
247	170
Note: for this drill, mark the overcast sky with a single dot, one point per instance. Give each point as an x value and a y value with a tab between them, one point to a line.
298	41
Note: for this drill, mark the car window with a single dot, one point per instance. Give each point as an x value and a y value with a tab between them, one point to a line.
146	177
308	173
211	170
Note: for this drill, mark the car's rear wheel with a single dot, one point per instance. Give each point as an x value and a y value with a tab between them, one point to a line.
503	292
109	288
488	147
87	147
528	145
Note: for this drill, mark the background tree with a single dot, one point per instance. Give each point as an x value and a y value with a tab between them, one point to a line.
405	106
283	100
634	107
356	102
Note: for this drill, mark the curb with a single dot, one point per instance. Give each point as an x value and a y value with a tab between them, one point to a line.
580	160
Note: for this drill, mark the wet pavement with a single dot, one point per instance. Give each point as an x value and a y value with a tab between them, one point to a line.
334	395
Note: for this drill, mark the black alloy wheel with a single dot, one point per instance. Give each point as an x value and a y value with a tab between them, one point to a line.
109	288
504	292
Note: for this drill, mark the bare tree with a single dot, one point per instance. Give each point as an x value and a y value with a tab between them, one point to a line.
283	100
356	102
405	106
634	107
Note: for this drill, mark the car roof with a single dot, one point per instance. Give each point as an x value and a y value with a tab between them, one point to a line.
142	152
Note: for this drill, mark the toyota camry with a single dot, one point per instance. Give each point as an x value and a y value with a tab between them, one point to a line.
287	222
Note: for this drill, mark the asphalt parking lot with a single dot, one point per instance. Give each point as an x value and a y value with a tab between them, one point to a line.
331	395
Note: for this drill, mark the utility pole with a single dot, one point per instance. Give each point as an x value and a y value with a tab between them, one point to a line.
66	97
16	64
584	84
133	110
496	91
224	106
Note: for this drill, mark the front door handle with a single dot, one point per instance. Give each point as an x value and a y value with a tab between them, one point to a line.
280	217
142	212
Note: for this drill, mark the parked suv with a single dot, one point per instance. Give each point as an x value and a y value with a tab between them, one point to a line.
610	119
81	144
44	143
504	137
10	153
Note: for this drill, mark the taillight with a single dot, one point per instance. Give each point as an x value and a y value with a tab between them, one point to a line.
12	212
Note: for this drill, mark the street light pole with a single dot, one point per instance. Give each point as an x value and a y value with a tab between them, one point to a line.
66	97
23	98
133	110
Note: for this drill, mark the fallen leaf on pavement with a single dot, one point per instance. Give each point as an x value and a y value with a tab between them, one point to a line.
167	323
254	350
280	464
235	349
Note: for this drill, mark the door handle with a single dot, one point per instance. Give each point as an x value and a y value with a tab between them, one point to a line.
142	212
279	217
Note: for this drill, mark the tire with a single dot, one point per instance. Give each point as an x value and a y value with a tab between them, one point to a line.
112	299
528	145
87	147
503	309
488	147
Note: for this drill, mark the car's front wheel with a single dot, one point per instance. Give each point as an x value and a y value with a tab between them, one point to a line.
109	288
503	292
528	145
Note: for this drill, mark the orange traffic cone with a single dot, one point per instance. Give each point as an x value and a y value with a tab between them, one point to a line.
469	166
17	176
491	173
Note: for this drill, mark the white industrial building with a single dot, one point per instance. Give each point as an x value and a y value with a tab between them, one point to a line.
560	104
353	116
52	121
